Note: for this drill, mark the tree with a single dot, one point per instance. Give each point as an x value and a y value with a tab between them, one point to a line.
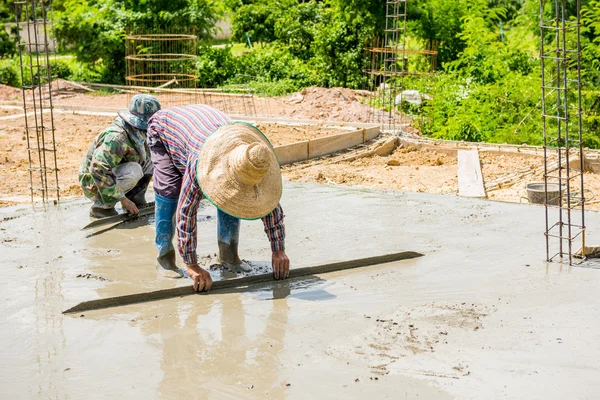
95	29
7	11
257	19
439	21
297	28
8	45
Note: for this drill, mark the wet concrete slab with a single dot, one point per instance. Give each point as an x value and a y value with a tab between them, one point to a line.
479	316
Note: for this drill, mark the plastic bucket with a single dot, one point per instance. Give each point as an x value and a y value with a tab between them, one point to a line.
536	193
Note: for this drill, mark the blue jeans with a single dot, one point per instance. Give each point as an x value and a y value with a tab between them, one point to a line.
167	186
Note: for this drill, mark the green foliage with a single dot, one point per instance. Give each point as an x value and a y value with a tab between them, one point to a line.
487	87
64	67
9	75
591	72
491	91
501	112
7	11
8	45
327	36
273	64
480	56
215	66
439	21
297	27
95	29
255	20
338	51
511	8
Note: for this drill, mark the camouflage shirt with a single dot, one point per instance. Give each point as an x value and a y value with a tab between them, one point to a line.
119	143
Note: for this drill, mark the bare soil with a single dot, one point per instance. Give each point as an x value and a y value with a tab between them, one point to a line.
11	111
73	135
426	171
312	103
281	134
405	169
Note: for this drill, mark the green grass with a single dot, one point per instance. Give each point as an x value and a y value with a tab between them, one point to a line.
237	49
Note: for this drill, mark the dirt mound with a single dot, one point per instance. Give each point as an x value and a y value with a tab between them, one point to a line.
320	103
317	95
60	89
9	93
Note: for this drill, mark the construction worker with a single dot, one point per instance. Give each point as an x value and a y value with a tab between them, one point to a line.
118	166
198	152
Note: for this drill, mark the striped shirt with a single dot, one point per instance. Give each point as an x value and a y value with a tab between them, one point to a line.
183	130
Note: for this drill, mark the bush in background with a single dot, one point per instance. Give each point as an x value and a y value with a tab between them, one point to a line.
9	75
8	45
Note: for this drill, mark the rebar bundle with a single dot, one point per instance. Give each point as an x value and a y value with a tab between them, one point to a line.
562	126
387	63
163	61
36	77
165	64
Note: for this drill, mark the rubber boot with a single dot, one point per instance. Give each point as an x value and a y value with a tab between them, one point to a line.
165	231
228	232
138	193
98	212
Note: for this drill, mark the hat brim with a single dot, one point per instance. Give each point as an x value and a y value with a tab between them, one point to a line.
219	184
137	121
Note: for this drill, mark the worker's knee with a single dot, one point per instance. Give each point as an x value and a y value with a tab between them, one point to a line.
128	175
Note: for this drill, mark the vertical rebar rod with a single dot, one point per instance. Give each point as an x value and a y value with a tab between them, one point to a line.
580	125
50	102
544	128
558	120
18	13
40	85
568	130
564	57
33	99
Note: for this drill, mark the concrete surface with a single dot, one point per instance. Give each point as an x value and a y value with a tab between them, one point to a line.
480	316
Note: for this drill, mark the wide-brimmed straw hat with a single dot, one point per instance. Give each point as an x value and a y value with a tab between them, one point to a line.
141	108
239	172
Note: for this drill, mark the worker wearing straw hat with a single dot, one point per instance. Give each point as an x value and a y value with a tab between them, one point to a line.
198	152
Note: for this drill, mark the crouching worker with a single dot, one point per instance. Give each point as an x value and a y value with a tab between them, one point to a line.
198	152
118	166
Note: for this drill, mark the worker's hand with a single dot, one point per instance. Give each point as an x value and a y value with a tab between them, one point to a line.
129	206
201	277
281	265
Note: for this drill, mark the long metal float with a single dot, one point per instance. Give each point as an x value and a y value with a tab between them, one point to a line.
148	210
221	286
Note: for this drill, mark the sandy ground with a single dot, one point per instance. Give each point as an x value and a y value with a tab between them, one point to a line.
415	171
479	316
74	133
427	171
313	103
9	112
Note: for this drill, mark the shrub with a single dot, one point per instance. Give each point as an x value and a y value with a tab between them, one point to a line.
271	64
9	75
8	45
215	66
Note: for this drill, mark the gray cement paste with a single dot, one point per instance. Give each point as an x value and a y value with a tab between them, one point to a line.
480	317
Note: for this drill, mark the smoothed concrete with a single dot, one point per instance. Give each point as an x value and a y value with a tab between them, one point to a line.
480	316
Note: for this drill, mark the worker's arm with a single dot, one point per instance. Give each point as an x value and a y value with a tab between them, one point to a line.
187	211
106	157
275	230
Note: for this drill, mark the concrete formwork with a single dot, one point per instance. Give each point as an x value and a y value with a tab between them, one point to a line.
310	149
480	316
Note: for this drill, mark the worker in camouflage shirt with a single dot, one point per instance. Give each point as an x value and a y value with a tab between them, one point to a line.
117	167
